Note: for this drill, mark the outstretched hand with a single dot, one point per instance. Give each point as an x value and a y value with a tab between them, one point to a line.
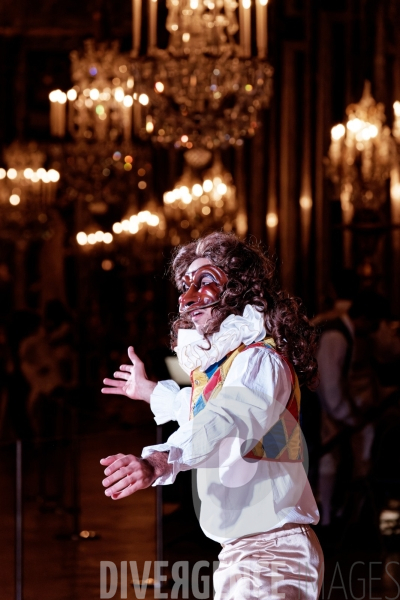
130	380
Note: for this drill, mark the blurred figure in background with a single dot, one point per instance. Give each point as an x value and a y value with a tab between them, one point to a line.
60	336
40	369
385	455
346	392
386	356
21	325
48	363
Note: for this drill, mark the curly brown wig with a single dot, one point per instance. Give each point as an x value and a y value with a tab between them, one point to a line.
251	280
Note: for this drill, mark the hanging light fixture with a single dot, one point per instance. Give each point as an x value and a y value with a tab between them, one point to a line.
201	199
99	105
27	191
362	159
104	181
203	92
362	154
103	176
204	89
104	172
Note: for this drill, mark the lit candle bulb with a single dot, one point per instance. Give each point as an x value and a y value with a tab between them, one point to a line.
57	113
153	5
72	96
136	25
245	26
337	135
261	27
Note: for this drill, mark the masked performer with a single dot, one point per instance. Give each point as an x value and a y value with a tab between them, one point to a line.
246	346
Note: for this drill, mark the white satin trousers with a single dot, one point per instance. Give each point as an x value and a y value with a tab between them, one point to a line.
283	564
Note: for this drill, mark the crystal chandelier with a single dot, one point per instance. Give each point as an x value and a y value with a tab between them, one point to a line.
99	105
27	191
362	159
103	181
105	175
203	92
200	200
361	155
204	89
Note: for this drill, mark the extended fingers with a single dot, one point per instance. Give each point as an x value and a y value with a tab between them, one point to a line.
121	484
123	460
113	382
120	474
120	375
110	459
126	368
120	391
125	475
130	489
116	386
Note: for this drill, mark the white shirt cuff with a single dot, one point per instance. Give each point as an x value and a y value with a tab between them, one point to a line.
162	401
174	461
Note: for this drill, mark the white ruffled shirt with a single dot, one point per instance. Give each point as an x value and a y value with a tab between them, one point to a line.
238	498
194	351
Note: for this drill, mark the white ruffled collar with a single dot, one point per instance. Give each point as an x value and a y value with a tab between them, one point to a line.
234	330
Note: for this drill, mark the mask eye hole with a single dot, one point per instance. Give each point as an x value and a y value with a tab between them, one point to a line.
206	280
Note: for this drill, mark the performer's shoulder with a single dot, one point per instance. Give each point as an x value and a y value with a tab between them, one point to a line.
264	353
256	365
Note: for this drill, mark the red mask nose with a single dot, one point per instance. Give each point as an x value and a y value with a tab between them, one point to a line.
191	296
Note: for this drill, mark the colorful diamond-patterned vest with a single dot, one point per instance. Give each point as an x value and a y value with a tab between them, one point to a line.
283	441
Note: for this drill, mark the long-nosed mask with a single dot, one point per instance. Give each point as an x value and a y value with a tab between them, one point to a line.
202	288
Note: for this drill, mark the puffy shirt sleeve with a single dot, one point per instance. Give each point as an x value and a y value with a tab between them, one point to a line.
169	403
254	395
